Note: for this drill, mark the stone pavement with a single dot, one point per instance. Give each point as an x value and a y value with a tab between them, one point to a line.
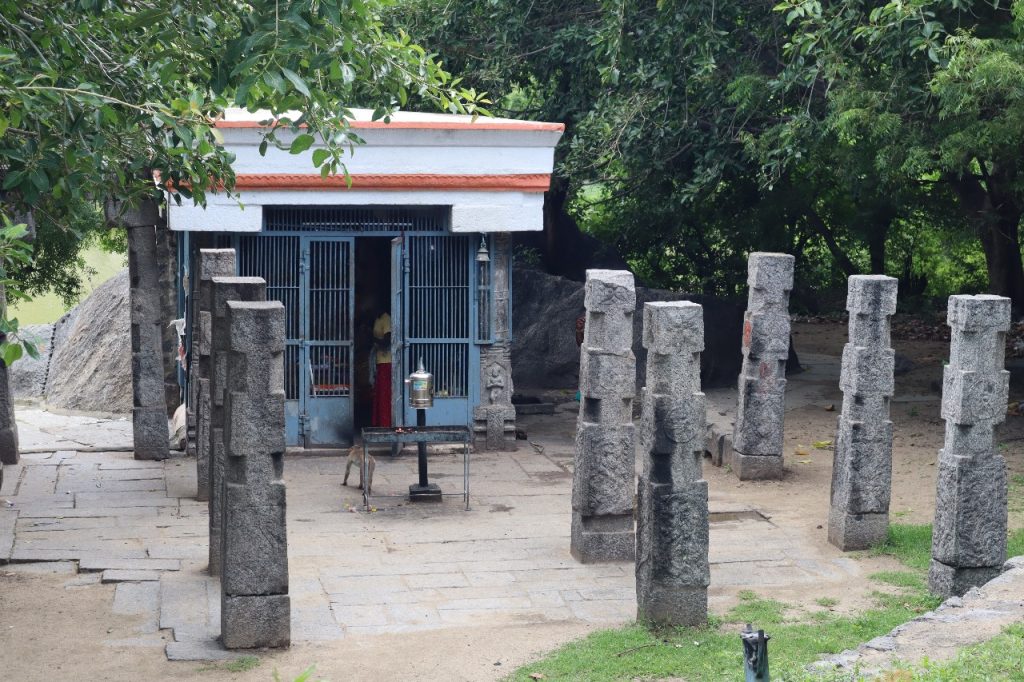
397	569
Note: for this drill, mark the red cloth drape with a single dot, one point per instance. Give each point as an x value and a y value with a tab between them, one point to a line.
382	396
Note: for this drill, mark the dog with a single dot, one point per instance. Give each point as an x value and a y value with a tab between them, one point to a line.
355	457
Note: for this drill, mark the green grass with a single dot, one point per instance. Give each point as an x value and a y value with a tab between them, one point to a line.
799	636
827	602
1001	658
239	665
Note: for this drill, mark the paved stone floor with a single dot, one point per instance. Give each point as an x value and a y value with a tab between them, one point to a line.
102	516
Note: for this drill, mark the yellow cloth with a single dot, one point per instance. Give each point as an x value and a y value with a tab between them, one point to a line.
381	328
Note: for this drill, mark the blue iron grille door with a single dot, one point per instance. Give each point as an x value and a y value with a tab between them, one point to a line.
438	326
331	285
278	260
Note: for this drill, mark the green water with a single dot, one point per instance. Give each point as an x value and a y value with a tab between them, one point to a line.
49	308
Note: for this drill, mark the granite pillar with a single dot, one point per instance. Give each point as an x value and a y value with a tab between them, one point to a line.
255	606
672	570
757	437
969	533
494	419
167	257
862	464
149	405
211	263
224	289
602	486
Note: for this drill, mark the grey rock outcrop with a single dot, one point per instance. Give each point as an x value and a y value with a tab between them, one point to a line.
544	350
90	363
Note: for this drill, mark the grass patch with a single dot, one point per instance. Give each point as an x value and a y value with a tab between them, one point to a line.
239	665
912	545
716	653
798	637
906	579
1001	658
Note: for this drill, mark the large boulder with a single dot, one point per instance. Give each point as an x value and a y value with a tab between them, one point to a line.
544	350
28	374
90	365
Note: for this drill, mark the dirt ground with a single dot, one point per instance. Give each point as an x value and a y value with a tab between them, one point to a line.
52	632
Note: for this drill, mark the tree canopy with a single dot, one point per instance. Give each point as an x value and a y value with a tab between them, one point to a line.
860	137
98	97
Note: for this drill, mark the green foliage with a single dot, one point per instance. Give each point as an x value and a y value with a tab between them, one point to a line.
714	653
107	103
1000	658
242	664
798	637
911	544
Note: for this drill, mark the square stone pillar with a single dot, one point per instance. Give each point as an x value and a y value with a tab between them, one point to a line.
969	533
862	466
224	289
672	570
255	606
494	419
211	263
149	406
602	484
760	415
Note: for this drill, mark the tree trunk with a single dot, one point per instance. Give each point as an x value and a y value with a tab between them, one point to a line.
825	232
995	217
876	250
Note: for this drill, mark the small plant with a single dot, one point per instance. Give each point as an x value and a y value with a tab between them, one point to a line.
912	412
243	664
827	602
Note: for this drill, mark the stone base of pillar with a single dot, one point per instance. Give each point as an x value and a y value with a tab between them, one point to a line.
948	581
494	427
597	539
851	532
253	622
9	446
149	433
756	467
674	606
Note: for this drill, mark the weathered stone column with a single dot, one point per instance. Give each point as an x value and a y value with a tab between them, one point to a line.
211	263
602	484
757	438
255	606
862	465
969	534
149	407
672	571
495	417
167	257
224	289
9	453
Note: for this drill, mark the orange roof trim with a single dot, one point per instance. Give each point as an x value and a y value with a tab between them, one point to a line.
531	182
480	124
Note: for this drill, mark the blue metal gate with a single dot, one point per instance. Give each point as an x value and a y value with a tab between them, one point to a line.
307	256
438	322
313	277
